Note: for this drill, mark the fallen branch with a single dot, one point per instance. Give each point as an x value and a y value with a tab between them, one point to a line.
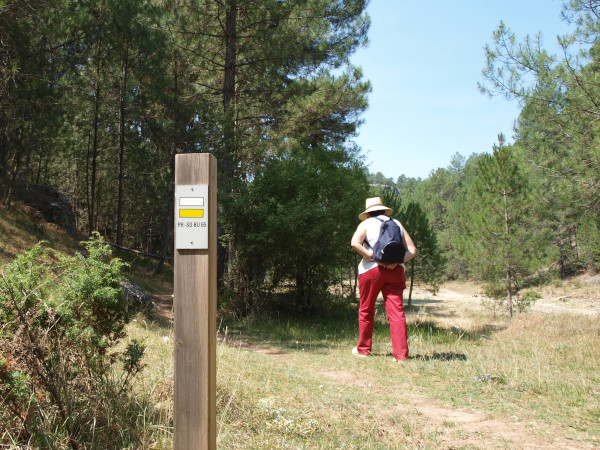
139	252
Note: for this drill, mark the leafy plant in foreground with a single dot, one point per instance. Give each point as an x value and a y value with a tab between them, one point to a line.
61	316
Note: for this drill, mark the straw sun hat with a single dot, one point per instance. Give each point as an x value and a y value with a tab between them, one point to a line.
374	204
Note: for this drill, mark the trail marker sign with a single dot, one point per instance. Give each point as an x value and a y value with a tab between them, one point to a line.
191	217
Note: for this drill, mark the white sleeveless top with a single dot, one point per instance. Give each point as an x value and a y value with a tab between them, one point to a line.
373	228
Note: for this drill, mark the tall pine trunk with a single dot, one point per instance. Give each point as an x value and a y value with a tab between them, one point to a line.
509	308
225	255
94	162
122	100
412	281
175	142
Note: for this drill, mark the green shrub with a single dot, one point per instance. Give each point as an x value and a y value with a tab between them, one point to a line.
61	316
495	298
527	299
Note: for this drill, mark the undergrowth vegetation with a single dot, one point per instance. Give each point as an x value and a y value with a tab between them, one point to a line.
61	382
21	227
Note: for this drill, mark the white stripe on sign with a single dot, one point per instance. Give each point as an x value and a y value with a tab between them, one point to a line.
191	201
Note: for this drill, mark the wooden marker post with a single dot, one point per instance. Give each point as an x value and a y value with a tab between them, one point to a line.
195	301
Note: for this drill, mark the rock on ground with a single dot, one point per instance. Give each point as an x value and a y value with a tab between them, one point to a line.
135	294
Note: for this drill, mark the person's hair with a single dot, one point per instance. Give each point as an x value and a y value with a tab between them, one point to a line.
379	212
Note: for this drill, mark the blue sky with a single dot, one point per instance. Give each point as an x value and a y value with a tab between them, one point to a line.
424	60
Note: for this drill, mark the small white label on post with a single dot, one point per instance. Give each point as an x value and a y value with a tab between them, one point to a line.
191	217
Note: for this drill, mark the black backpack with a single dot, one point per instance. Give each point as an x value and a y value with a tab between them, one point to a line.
389	247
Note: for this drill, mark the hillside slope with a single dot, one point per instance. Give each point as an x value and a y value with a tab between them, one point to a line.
21	227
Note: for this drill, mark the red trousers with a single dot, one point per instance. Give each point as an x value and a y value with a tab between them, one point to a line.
391	283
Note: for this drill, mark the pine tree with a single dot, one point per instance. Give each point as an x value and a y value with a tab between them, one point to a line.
557	128
428	266
495	218
267	63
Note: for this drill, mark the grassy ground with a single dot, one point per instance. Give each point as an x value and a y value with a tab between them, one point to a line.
293	383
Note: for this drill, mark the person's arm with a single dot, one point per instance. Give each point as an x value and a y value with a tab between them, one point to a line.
411	249
357	242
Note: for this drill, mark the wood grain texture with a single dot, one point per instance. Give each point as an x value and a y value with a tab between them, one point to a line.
195	305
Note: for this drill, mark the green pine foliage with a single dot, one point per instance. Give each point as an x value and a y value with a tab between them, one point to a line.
557	127
501	246
428	267
299	214
97	98
552	172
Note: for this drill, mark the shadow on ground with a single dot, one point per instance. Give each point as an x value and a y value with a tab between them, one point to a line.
443	356
435	356
289	331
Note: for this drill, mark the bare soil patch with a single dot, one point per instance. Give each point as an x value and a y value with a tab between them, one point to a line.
163	302
455	299
459	428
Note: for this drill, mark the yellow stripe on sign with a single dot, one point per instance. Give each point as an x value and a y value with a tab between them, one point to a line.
194	213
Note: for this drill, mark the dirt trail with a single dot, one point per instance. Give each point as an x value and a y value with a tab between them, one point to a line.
163	303
449	302
458	427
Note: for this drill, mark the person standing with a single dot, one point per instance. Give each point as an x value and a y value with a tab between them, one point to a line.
375	277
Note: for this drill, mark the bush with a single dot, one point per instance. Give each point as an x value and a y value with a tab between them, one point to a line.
61	317
494	296
527	299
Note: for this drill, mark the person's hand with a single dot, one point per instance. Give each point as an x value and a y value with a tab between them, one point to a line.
389	266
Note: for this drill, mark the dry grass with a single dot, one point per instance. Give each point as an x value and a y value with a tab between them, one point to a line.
540	368
21	229
583	287
153	387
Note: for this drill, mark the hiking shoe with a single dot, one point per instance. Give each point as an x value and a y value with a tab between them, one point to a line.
355	353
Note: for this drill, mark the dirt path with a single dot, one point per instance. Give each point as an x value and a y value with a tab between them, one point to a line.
458	300
458	427
163	302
